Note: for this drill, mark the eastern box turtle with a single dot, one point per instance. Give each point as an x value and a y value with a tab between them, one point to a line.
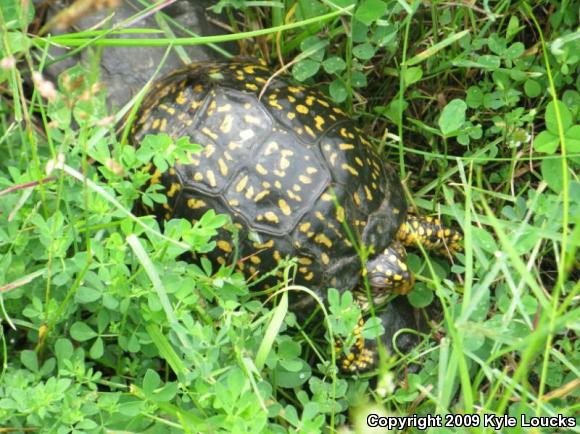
296	175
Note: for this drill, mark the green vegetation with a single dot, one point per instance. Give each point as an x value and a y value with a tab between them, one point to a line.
104	325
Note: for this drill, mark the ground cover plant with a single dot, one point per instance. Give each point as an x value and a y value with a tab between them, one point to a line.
105	327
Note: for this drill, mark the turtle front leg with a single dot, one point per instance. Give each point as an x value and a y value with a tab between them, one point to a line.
431	233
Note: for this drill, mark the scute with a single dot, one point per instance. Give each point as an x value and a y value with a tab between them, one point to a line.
278	184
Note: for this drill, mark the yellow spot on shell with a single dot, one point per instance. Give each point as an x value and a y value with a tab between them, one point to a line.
323	103
268	244
251	86
242	184
271	217
195	203
305	261
305	179
304	227
224	108
261	169
274	103
340	214
226	125
255	259
290	115
356	198
198	176
284	163
252	120
302	109
293	196
350	169
284	207
319	120
209	133
180	99
224	245
211	178
249	192
261	195
368	193
223	167
175	187
155	177
209	150
325	259
271	148
345	146
310	170
333	158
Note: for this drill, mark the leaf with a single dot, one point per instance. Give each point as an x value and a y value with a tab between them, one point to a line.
452	117
358	79
552	173
496	44
364	51
546	142
551	122
484	239
290	379
334	64
82	332
370	10
14	14
272	331
474	97
166	393
337	91
515	50
532	88
305	69
87	295
421	296
412	75
151	381
573	139
29	360
63	349
97	349
393	110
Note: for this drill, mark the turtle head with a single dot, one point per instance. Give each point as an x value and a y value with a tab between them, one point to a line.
389	271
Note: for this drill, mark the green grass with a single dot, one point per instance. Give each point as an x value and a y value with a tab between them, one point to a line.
105	328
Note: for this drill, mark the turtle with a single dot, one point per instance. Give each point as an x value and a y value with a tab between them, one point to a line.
297	176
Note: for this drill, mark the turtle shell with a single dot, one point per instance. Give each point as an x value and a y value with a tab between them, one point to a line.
291	169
